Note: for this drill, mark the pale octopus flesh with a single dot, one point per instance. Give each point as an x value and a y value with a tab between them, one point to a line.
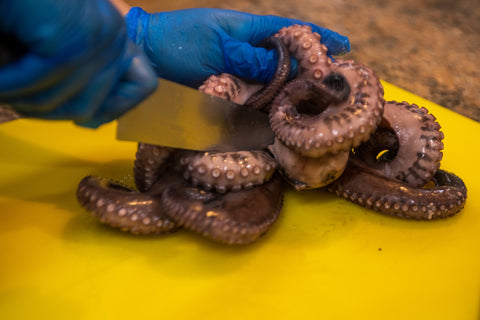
332	128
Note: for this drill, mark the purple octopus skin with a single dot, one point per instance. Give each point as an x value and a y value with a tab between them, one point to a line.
7	114
261	99
306	172
306	48
228	171
413	140
336	127
150	163
371	189
171	203
125	209
231	218
222	171
229	87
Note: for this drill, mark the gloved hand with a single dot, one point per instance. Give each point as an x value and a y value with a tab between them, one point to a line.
187	46
79	63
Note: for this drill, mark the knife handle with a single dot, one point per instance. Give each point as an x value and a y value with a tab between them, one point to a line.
10	49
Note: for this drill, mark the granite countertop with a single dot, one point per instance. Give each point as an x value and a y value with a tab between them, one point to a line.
428	47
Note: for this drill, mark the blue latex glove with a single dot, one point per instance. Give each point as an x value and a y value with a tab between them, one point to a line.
79	63
187	46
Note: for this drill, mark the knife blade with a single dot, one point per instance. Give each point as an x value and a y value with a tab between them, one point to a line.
181	117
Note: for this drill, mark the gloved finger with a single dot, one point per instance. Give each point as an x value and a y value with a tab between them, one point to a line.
78	93
36	84
81	105
76	96
136	83
44	89
250	62
336	43
264	26
243	60
13	79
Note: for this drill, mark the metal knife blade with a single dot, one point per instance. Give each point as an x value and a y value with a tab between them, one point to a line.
181	117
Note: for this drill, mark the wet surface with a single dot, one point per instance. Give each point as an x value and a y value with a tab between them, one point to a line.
428	47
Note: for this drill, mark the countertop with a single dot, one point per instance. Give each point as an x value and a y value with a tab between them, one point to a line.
428	47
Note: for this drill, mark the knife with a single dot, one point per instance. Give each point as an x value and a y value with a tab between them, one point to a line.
181	117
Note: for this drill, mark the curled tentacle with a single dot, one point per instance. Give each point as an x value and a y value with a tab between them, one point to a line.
302	120
150	163
411	143
371	189
228	171
262	98
233	218
120	207
305	46
307	172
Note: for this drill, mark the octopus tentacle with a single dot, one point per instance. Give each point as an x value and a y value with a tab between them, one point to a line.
332	128
306	48
8	114
307	172
230	87
233	218
120	207
150	163
262	98
413	140
371	189
225	171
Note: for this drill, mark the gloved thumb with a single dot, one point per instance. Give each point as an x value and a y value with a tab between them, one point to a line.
245	61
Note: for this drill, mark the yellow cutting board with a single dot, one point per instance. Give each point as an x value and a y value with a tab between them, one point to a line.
325	258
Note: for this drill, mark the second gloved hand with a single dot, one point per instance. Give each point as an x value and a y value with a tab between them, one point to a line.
187	46
78	63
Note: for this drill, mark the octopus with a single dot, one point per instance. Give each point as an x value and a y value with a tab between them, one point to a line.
333	130
7	113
